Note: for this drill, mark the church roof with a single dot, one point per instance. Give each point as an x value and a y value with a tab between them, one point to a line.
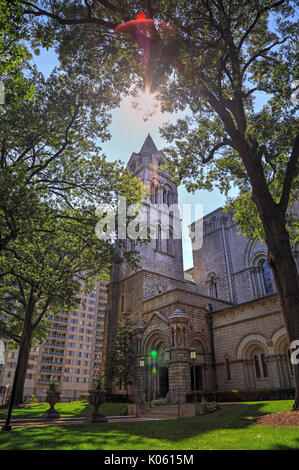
148	146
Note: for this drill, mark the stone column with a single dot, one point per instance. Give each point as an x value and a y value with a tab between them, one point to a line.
179	365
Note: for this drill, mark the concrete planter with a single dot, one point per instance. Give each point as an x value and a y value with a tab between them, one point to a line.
52	398
96	398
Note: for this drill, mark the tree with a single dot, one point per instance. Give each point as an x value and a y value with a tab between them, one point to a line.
52	180
13	52
121	358
42	267
226	141
227	51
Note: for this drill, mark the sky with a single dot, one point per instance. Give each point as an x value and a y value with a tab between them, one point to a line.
128	131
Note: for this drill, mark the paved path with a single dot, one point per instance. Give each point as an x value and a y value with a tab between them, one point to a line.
16	423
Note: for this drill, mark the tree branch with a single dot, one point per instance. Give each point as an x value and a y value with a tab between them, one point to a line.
260	53
66	21
258	15
292	171
216	147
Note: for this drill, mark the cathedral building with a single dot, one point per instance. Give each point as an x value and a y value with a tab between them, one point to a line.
217	326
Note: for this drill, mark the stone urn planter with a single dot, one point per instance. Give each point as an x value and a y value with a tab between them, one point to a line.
52	397
96	398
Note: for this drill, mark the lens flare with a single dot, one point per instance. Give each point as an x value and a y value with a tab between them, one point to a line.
157	45
146	103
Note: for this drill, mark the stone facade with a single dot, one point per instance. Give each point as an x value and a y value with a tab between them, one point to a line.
225	308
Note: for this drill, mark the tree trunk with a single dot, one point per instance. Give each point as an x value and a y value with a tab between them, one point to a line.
19	394
280	256
286	277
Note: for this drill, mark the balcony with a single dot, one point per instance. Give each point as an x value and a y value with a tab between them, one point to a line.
58	319
47	381
50	371
57	336
52	353
54	345
53	363
57	327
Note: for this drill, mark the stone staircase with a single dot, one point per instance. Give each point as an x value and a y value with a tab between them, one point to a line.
159	412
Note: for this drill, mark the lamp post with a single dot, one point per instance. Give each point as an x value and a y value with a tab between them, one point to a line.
141	366
140	394
193	359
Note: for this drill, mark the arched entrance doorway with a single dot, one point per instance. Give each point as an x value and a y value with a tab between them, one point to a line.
156	382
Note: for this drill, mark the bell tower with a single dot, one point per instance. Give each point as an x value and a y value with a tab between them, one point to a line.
163	254
160	260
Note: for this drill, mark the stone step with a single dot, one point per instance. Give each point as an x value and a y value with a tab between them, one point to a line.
160	411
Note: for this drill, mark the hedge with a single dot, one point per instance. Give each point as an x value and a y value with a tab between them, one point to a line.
244	395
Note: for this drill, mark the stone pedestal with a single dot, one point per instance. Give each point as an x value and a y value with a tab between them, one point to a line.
96	398
52	398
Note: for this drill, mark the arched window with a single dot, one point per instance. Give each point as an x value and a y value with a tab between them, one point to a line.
264	366
154	192
257	366
159	238
227	369
212	285
169	242
164	196
213	224
267	278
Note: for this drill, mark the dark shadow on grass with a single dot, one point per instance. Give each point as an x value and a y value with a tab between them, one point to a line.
129	434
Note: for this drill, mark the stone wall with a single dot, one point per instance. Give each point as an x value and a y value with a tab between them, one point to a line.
244	332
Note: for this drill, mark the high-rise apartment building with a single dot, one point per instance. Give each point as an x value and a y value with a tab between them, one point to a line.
72	352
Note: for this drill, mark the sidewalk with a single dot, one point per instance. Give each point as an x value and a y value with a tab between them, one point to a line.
17	423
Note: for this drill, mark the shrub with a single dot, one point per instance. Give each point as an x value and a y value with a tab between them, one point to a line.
33	399
157	403
262	394
83	396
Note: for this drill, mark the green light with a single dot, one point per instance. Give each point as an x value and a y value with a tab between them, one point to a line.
154	353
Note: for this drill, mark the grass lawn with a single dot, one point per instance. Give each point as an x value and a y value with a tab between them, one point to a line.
228	429
74	409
